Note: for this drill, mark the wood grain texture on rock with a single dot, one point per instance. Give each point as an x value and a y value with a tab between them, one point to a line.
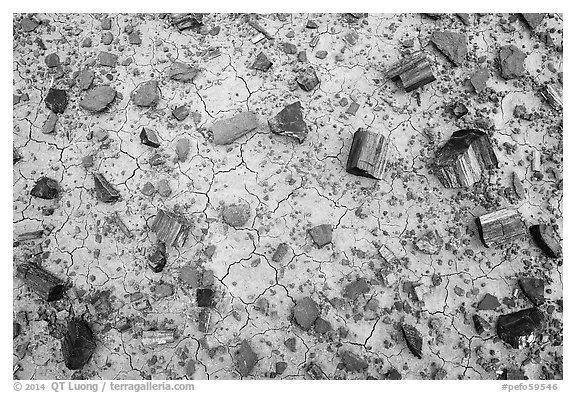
368	155
413	71
500	226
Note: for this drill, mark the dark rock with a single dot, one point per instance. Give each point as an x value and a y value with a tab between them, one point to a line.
322	326
305	312
85	79
163	188
87	43
16	329
459	109
181	112
106	23
546	239
511	62
236	215
52	60
512	374
107	59
149	138
314	371
158	258
290	343
289	48
533	19
50	124
78	344
430	243
307	79
356	288
190	276
147	94
170	228
45	188
56	100
280	252
311	24
500	227
519	329
368	156
182	149
134	39
353	362
205	297
46	285
393	375
321	235
204	320
290	122
246	359
182	72
453	45
226	131
98	99
479	79
281	367
480	324
104	190
413	340
533	288
489	302
262	62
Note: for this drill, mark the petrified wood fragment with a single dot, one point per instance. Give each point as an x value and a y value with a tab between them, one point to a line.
158	337
533	19
314	371
104	190
552	96
149	138
45	188
44	283
368	155
226	131
262	62
546	239
500	227
460	162
170	228
290	122
413	71
533	289
305	312
158	258
480	324
519	329
187	21
78	344
204	320
413	340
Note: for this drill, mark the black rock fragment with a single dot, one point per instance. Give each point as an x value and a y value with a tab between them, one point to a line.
314	371
280	252
181	112
78	344
290	343
519	329
170	228
149	138
262	62
290	122
368	155
352	362
204	320
321	235
356	288
56	100
158	258
16	156
104	190
511	62
246	359
307	79
187	21
205	297
546	239
45	284
413	340
480	324
533	288
45	188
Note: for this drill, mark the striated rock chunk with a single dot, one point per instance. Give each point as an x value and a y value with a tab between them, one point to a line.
519	329
413	71
158	258
430	243
480	324
321	235
290	122
170	228
104	190
228	130
452	44
511	62
461	161
314	371
182	72
42	282
187	21
182	149
352	362
305	312
307	79
147	94
245	358
45	188
98	99
262	62
533	288
56	100
413	340
78	344
551	95
518	187
500	227
368	155
149	138
158	337
546	239
85	79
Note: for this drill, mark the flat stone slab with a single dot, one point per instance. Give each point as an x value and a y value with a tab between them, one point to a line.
290	122
228	130
452	44
98	99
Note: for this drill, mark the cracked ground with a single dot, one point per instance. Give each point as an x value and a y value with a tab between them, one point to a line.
370	278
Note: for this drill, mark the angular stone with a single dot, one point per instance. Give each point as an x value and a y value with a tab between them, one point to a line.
533	289
106	23
519	329
149	138
368	155
511	62
280	367
147	94
228	130
353	108
42	282
413	340
56	100
52	60
236	215
181	112
50	123
205	297
78	344
280	252
290	122
322	326
182	149
459	109
85	79
480	324
87	42
245	359
352	362
307	79
452	44
158	258
393	375
462	160
98	99
545	238
134	39
321	235
552	96
170	228
105	192
356	288
479	79
305	312
289	48
302	56
310	24
204	320
500	227
489	302
45	188
290	343
107	59
413	71
182	72
430	243
314	371
187	21
262	62
518	187
533	19
465	18
16	156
